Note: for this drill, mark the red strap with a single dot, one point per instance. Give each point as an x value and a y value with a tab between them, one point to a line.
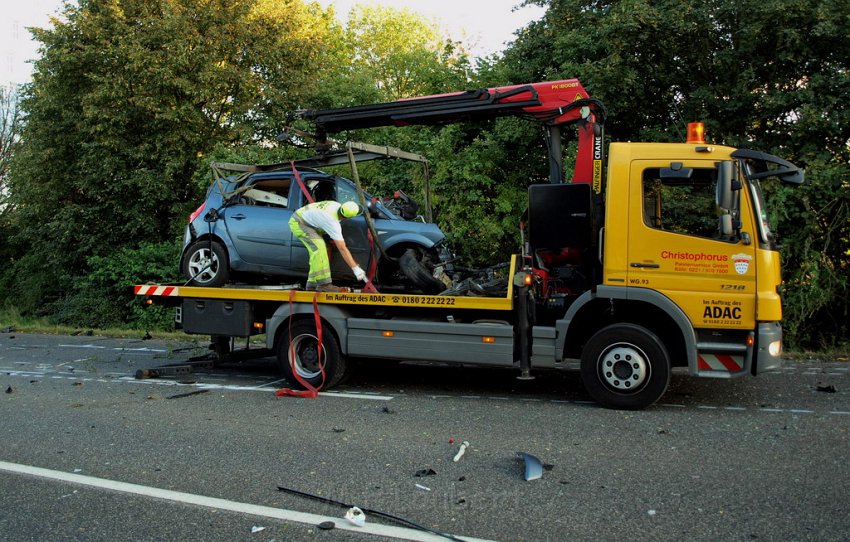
310	391
301	183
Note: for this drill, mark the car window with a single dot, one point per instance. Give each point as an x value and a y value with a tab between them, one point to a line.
322	189
346	192
267	193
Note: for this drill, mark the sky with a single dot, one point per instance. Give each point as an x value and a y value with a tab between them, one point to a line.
483	25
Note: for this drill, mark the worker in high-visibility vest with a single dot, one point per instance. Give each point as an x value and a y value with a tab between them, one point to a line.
308	224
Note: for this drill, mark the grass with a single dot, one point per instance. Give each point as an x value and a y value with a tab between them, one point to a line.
11	318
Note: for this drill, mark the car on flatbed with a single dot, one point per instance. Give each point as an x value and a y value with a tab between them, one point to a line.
240	233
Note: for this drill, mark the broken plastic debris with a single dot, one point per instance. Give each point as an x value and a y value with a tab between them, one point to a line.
533	466
257	529
827	389
461	451
356	516
423	488
425	472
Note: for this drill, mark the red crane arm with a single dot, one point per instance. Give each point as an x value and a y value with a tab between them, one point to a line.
553	103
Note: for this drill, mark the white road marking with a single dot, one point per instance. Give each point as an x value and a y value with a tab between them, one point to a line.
274	385
389	531
115	348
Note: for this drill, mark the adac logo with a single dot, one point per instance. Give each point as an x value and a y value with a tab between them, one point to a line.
741	262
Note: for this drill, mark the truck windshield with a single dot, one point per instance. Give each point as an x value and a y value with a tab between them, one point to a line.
757	165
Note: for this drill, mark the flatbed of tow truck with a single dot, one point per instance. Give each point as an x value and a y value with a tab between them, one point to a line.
399	326
287	294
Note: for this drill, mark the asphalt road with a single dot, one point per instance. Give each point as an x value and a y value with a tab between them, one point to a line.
90	453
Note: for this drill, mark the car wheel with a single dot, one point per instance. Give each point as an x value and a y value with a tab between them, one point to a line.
298	356
205	264
625	366
411	265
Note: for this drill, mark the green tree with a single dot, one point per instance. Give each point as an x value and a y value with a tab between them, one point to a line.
10	132
384	54
125	98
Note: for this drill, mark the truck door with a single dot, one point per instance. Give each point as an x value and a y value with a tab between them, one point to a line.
676	245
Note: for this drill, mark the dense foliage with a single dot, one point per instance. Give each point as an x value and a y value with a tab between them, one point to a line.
131	99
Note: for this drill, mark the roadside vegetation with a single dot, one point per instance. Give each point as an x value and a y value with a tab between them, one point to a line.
106	152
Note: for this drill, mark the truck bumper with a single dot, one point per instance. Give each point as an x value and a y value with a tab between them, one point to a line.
769	347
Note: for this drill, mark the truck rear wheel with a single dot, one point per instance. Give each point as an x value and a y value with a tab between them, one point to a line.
625	366
298	354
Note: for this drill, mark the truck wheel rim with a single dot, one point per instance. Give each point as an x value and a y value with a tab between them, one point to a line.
203	259
624	367
306	356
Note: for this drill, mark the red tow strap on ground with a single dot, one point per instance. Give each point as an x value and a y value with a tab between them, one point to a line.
309	391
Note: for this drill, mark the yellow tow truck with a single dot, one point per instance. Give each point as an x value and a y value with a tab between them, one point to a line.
656	256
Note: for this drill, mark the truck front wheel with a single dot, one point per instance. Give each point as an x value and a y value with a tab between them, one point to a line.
298	356
625	366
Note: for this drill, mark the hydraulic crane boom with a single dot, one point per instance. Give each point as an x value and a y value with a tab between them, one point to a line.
553	103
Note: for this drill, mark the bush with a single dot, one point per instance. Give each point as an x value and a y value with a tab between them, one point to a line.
105	296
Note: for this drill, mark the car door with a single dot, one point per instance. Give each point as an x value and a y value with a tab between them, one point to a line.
257	223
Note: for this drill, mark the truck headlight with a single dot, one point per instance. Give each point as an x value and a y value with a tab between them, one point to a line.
775	348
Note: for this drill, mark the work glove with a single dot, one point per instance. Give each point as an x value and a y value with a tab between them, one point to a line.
359	273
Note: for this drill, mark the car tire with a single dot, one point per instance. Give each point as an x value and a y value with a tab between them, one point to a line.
205	264
625	366
412	267
297	353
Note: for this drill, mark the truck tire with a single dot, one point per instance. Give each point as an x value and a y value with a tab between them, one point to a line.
297	352
625	366
205	264
416	272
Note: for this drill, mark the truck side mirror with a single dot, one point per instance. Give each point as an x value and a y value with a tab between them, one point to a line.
725	197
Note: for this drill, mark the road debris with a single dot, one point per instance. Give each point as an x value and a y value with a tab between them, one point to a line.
826	389
425	472
256	529
372	511
356	516
10	389
188	394
461	451
533	466
326	525
423	488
